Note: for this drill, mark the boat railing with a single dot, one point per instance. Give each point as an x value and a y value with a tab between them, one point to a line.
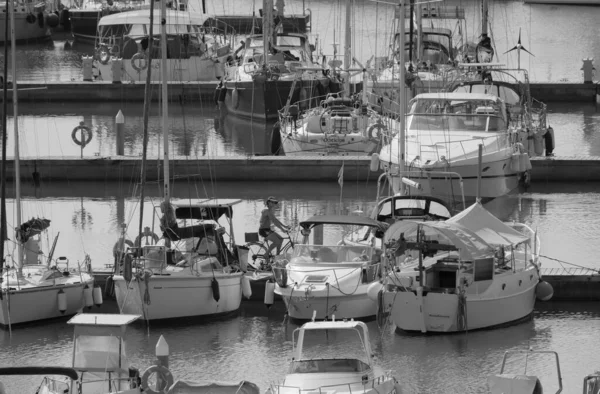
467	146
59	386
349	387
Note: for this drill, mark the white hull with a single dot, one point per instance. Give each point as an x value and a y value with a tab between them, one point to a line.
296	147
356	306
24	30
497	180
179	70
494	307
41	303
178	296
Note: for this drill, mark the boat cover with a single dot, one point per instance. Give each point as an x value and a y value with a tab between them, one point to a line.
480	221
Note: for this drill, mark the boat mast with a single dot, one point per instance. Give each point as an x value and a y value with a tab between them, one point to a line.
267	28
402	96
348	46
3	231
484	18
13	61
163	69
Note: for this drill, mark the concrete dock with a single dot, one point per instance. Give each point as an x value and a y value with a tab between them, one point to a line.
101	91
263	168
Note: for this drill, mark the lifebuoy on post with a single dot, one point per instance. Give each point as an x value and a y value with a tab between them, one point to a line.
86	134
143	60
103	54
165	376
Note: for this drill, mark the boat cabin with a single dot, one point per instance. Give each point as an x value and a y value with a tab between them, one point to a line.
468	112
99	355
394	208
353	361
125	34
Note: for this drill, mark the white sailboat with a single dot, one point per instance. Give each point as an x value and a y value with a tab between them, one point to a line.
34	290
194	262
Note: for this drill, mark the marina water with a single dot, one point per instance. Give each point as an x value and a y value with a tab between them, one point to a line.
254	344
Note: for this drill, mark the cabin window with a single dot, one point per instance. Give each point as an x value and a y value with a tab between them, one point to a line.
484	269
94	352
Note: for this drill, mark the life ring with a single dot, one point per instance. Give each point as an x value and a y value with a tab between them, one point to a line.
165	376
87	134
375	131
145	234
143	61
103	54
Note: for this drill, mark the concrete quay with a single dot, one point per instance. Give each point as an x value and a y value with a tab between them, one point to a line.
263	168
201	91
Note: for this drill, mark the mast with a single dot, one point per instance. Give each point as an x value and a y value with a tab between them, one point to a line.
163	69
484	18
348	45
420	35
13	61
402	96
267	28
3	231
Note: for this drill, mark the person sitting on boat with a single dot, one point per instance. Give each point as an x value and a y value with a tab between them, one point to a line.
268	219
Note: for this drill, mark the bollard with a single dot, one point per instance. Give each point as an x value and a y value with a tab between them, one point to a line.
120	122
116	66
588	70
162	355
88	64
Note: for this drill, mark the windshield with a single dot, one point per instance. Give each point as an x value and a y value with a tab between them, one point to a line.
339	344
467	115
311	254
411	208
504	92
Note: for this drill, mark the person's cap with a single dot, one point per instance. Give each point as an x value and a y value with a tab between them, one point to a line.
273	200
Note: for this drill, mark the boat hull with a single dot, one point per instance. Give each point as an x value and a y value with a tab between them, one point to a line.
293	146
178	70
41	303
170	296
84	23
302	307
261	99
441	312
25	31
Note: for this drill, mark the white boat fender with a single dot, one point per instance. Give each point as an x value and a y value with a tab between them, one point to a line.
97	295
216	292
373	290
269	293
544	291
88	296
62	301
165	376
374	166
128	268
246	289
235	98
109	287
549	140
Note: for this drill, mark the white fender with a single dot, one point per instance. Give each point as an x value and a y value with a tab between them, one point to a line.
97	295
246	289
544	291
88	297
62	301
373	290
269	293
374	166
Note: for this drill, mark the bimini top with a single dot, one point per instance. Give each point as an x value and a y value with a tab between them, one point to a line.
480	221
457	96
142	17
470	246
204	210
342	219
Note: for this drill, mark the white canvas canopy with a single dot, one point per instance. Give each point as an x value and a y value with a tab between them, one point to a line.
480	221
469	245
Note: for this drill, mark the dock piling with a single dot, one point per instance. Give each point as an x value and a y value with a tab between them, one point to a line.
162	355
120	123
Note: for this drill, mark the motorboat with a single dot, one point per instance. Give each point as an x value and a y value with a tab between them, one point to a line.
469	272
85	15
344	366
330	275
444	132
100	364
194	259
269	67
194	52
516	374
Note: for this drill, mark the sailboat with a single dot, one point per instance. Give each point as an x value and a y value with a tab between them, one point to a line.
339	125
263	74
190	272
32	289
